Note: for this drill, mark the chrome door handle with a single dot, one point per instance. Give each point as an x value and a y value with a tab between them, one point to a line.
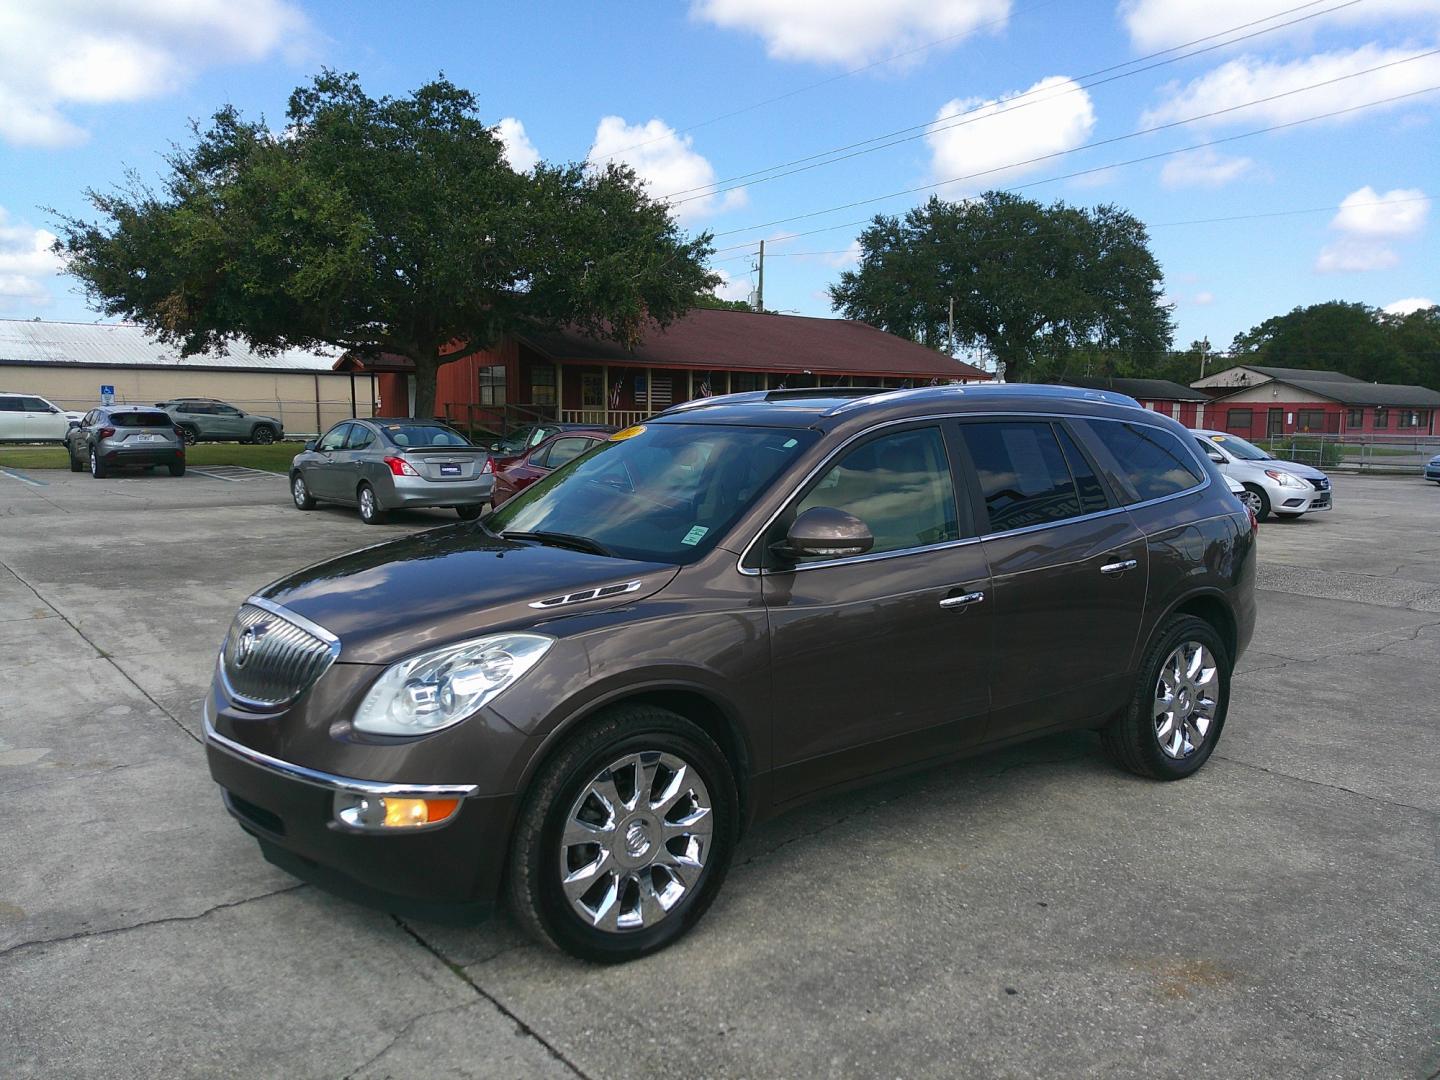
1119	567
961	601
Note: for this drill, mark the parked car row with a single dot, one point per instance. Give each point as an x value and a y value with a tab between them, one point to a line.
32	418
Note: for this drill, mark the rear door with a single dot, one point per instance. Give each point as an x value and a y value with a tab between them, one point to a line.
1068	571
881	659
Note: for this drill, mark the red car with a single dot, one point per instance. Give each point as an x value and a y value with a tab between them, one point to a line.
541	459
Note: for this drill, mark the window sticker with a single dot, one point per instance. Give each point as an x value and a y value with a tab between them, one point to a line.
695	535
789	444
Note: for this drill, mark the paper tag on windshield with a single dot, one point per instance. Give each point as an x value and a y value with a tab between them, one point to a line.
695	535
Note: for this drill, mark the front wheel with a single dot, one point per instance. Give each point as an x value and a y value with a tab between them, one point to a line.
1256	502
625	836
1174	719
263	435
370	512
300	493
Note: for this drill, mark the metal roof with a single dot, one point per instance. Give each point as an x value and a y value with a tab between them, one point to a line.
1152	389
127	345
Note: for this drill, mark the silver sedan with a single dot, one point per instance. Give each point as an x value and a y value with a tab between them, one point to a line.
382	464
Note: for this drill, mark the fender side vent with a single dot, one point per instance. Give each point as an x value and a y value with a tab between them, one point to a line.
599	593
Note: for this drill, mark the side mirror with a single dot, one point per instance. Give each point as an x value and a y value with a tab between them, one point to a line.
74	424
1217	459
823	531
310	444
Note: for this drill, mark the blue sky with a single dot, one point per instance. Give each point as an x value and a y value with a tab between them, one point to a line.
89	89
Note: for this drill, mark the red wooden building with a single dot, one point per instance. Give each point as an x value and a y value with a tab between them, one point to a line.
1267	402
577	379
1159	395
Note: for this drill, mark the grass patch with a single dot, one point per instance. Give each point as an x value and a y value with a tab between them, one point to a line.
273	458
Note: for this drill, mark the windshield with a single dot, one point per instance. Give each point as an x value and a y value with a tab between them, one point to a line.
1239	448
664	494
403	434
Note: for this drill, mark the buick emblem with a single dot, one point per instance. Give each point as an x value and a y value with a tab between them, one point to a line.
249	637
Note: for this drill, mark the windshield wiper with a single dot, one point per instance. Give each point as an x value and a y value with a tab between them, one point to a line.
563	539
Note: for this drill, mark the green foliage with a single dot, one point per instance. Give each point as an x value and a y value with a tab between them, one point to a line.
1308	450
1031	284
1355	339
710	300
390	225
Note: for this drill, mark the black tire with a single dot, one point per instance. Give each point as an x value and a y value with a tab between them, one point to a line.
371	512
300	492
533	880
189	434
76	465
1257	501
97	466
177	468
471	512
1132	740
263	435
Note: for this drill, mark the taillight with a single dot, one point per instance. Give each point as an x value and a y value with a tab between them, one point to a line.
400	467
489	466
1254	521
107	433
179	433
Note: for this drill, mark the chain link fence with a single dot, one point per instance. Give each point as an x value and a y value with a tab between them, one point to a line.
1396	454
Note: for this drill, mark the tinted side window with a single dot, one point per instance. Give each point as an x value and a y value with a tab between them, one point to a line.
34	404
899	485
1022	472
12	404
334	438
1150	461
1087	485
563	450
360	437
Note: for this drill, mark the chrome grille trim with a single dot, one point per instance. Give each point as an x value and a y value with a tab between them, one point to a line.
284	660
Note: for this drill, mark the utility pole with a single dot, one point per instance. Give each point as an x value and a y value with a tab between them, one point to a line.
1204	353
950	329
760	288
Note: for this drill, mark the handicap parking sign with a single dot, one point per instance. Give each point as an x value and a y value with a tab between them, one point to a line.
107	395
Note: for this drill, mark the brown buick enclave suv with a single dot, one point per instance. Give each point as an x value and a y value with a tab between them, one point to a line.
581	700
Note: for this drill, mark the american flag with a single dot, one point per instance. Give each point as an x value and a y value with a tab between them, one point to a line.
615	388
704	389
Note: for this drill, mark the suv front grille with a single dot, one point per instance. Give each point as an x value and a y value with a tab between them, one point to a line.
270	661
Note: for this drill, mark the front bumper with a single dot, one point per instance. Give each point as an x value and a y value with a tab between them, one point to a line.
449	871
1432	471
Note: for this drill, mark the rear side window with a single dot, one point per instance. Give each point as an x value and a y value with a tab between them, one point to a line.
141	419
12	404
1022	471
899	485
1147	462
563	450
360	437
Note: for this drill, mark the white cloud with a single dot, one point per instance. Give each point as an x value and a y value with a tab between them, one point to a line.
733	287
1154	24
1249	78
1056	116
850	31
519	150
1203	168
1353	256
1408	305
98	52
666	163
1367	219
1204	299
26	263
1368	213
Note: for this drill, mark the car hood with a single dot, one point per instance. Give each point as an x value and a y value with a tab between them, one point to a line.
390	600
1294	468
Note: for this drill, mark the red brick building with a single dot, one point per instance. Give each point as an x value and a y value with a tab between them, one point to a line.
1159	395
1267	402
572	378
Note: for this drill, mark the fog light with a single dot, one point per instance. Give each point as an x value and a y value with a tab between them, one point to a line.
373	812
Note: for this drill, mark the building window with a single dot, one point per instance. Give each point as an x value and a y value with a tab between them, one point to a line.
1239	420
592	391
1355	418
542	384
1382	417
1312	419
1413	418
740	382
492	385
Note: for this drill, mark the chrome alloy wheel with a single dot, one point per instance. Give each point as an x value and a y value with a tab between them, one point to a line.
297	490
367	503
1186	699
1252	501
635	841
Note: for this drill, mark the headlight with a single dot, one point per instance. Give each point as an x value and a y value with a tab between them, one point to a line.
1285	479
432	690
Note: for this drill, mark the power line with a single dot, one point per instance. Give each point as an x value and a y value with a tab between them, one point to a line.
1149	225
970	116
1122	138
924	47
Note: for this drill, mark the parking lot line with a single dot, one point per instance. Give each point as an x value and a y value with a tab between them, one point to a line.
23	478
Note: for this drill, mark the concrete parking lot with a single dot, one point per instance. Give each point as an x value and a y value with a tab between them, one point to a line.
1033	912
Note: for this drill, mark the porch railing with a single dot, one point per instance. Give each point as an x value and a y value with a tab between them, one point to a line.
620	418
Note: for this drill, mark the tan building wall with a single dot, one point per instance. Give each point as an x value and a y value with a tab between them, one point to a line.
1274	393
290	397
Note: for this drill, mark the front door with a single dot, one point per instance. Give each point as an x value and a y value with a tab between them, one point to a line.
1067	578
881	659
324	476
1274	423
